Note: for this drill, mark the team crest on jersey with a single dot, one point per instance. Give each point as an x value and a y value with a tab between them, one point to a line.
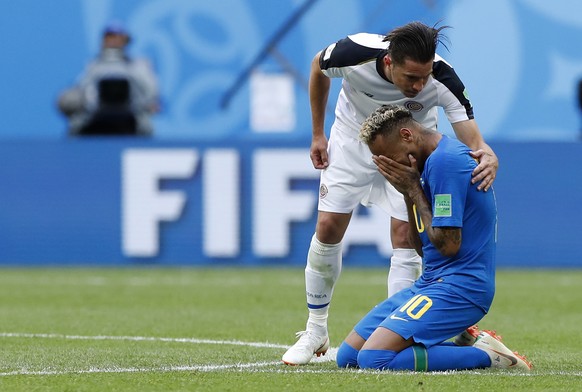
322	191
413	106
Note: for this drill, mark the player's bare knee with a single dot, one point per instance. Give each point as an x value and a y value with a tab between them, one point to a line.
331	227
399	234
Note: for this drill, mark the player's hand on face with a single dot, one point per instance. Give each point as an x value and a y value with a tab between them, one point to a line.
404	178
318	153
486	171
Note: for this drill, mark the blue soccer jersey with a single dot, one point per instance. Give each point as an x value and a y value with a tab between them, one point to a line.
446	180
453	293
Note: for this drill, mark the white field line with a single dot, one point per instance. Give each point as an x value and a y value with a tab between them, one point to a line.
330	356
141	338
255	367
200	368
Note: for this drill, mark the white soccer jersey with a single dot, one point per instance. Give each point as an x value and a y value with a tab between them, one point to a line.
352	177
358	59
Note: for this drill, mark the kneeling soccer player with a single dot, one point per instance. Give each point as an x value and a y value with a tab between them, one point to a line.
456	234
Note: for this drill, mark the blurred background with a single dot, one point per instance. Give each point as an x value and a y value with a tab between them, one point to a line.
225	178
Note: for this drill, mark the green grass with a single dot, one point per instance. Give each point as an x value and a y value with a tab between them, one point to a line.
192	329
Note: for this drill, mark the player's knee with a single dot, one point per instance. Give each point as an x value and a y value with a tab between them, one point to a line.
399	234
347	356
331	227
375	359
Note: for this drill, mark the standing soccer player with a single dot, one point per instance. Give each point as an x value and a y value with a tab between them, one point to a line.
399	68
455	231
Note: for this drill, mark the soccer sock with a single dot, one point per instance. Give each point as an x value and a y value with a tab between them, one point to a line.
419	358
347	356
405	268
324	264
376	359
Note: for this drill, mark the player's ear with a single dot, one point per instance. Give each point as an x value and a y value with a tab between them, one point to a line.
406	134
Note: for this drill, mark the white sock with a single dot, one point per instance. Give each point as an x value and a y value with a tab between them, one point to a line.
405	268
324	264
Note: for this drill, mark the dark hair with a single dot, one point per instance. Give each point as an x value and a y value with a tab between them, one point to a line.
383	121
415	41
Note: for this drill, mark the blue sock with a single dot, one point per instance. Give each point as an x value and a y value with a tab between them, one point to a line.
418	358
376	359
347	356
440	358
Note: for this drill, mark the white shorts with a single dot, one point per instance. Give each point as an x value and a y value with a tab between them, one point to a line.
352	177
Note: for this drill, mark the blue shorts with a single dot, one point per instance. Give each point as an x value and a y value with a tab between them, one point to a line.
430	315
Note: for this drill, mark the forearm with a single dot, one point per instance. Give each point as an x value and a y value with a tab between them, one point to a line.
413	232
446	240
422	212
468	132
486	171
319	86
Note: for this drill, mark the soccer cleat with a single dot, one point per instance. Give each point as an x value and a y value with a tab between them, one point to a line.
302	351
467	337
501	356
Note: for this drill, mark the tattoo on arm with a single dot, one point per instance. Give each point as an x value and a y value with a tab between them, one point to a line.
447	239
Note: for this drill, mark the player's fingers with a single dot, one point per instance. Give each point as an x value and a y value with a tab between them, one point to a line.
484	168
477	154
412	161
316	161
324	158
485	182
484	185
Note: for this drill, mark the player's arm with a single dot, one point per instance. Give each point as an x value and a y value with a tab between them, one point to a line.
413	234
319	86
485	173
447	240
406	179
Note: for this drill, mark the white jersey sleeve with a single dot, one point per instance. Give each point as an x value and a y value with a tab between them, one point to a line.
452	94
339	58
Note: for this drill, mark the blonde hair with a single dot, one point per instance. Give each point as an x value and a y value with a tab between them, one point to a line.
383	121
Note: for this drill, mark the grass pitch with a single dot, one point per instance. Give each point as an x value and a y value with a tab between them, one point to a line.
225	329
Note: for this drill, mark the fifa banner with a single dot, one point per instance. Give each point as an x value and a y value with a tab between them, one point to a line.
102	201
127	201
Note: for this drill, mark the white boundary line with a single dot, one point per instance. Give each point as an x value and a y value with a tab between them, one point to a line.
140	338
330	356
255	367
201	368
